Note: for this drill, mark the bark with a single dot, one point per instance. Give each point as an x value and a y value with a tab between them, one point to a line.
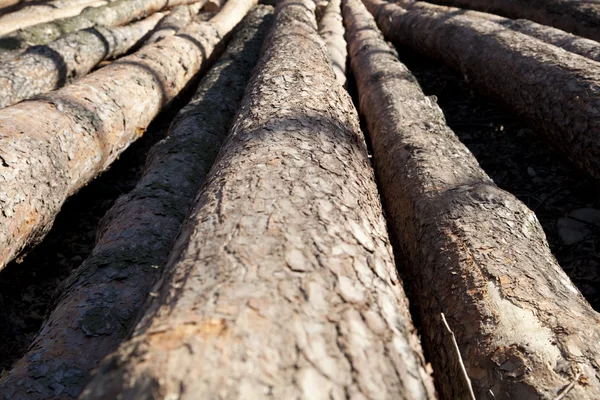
178	18
100	298
213	5
575	44
39	13
44	68
282	283
578	17
470	249
331	29
553	89
116	13
80	129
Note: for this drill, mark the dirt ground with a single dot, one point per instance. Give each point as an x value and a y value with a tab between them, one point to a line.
510	153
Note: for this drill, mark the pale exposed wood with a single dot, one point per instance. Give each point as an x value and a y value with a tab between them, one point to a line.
80	129
281	283
177	19
119	12
44	68
40	13
470	249
99	301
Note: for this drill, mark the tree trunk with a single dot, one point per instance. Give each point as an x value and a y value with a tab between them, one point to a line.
44	68
119	12
282	283
178	18
80	129
575	44
40	13
554	90
470	249
101	298
331	29
213	5
578	17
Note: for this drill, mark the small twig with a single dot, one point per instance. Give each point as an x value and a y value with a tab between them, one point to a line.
460	360
570	386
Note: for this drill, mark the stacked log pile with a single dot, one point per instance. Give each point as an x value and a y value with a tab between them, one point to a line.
275	245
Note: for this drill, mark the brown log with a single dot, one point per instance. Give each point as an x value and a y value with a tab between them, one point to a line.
578	17
100	299
80	129
331	29
119	12
44	68
40	13
470	250
282	283
213	5
575	44
178	18
551	88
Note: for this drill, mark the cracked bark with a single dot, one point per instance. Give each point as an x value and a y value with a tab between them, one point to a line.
575	44
331	29
579	17
470	249
552	89
40	13
178	18
281	283
80	129
44	68
119	12
100	299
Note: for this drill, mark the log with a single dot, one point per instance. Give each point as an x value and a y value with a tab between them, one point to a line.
100	299
44	68
281	283
551	88
578	17
331	29
470	250
40	13
178	18
575	44
213	5
80	129
119	12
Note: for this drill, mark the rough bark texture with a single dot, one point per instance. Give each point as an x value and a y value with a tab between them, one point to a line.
117	13
178	18
44	68
282	283
470	249
579	17
331	29
40	13
100	299
80	129
213	5
575	44
554	90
